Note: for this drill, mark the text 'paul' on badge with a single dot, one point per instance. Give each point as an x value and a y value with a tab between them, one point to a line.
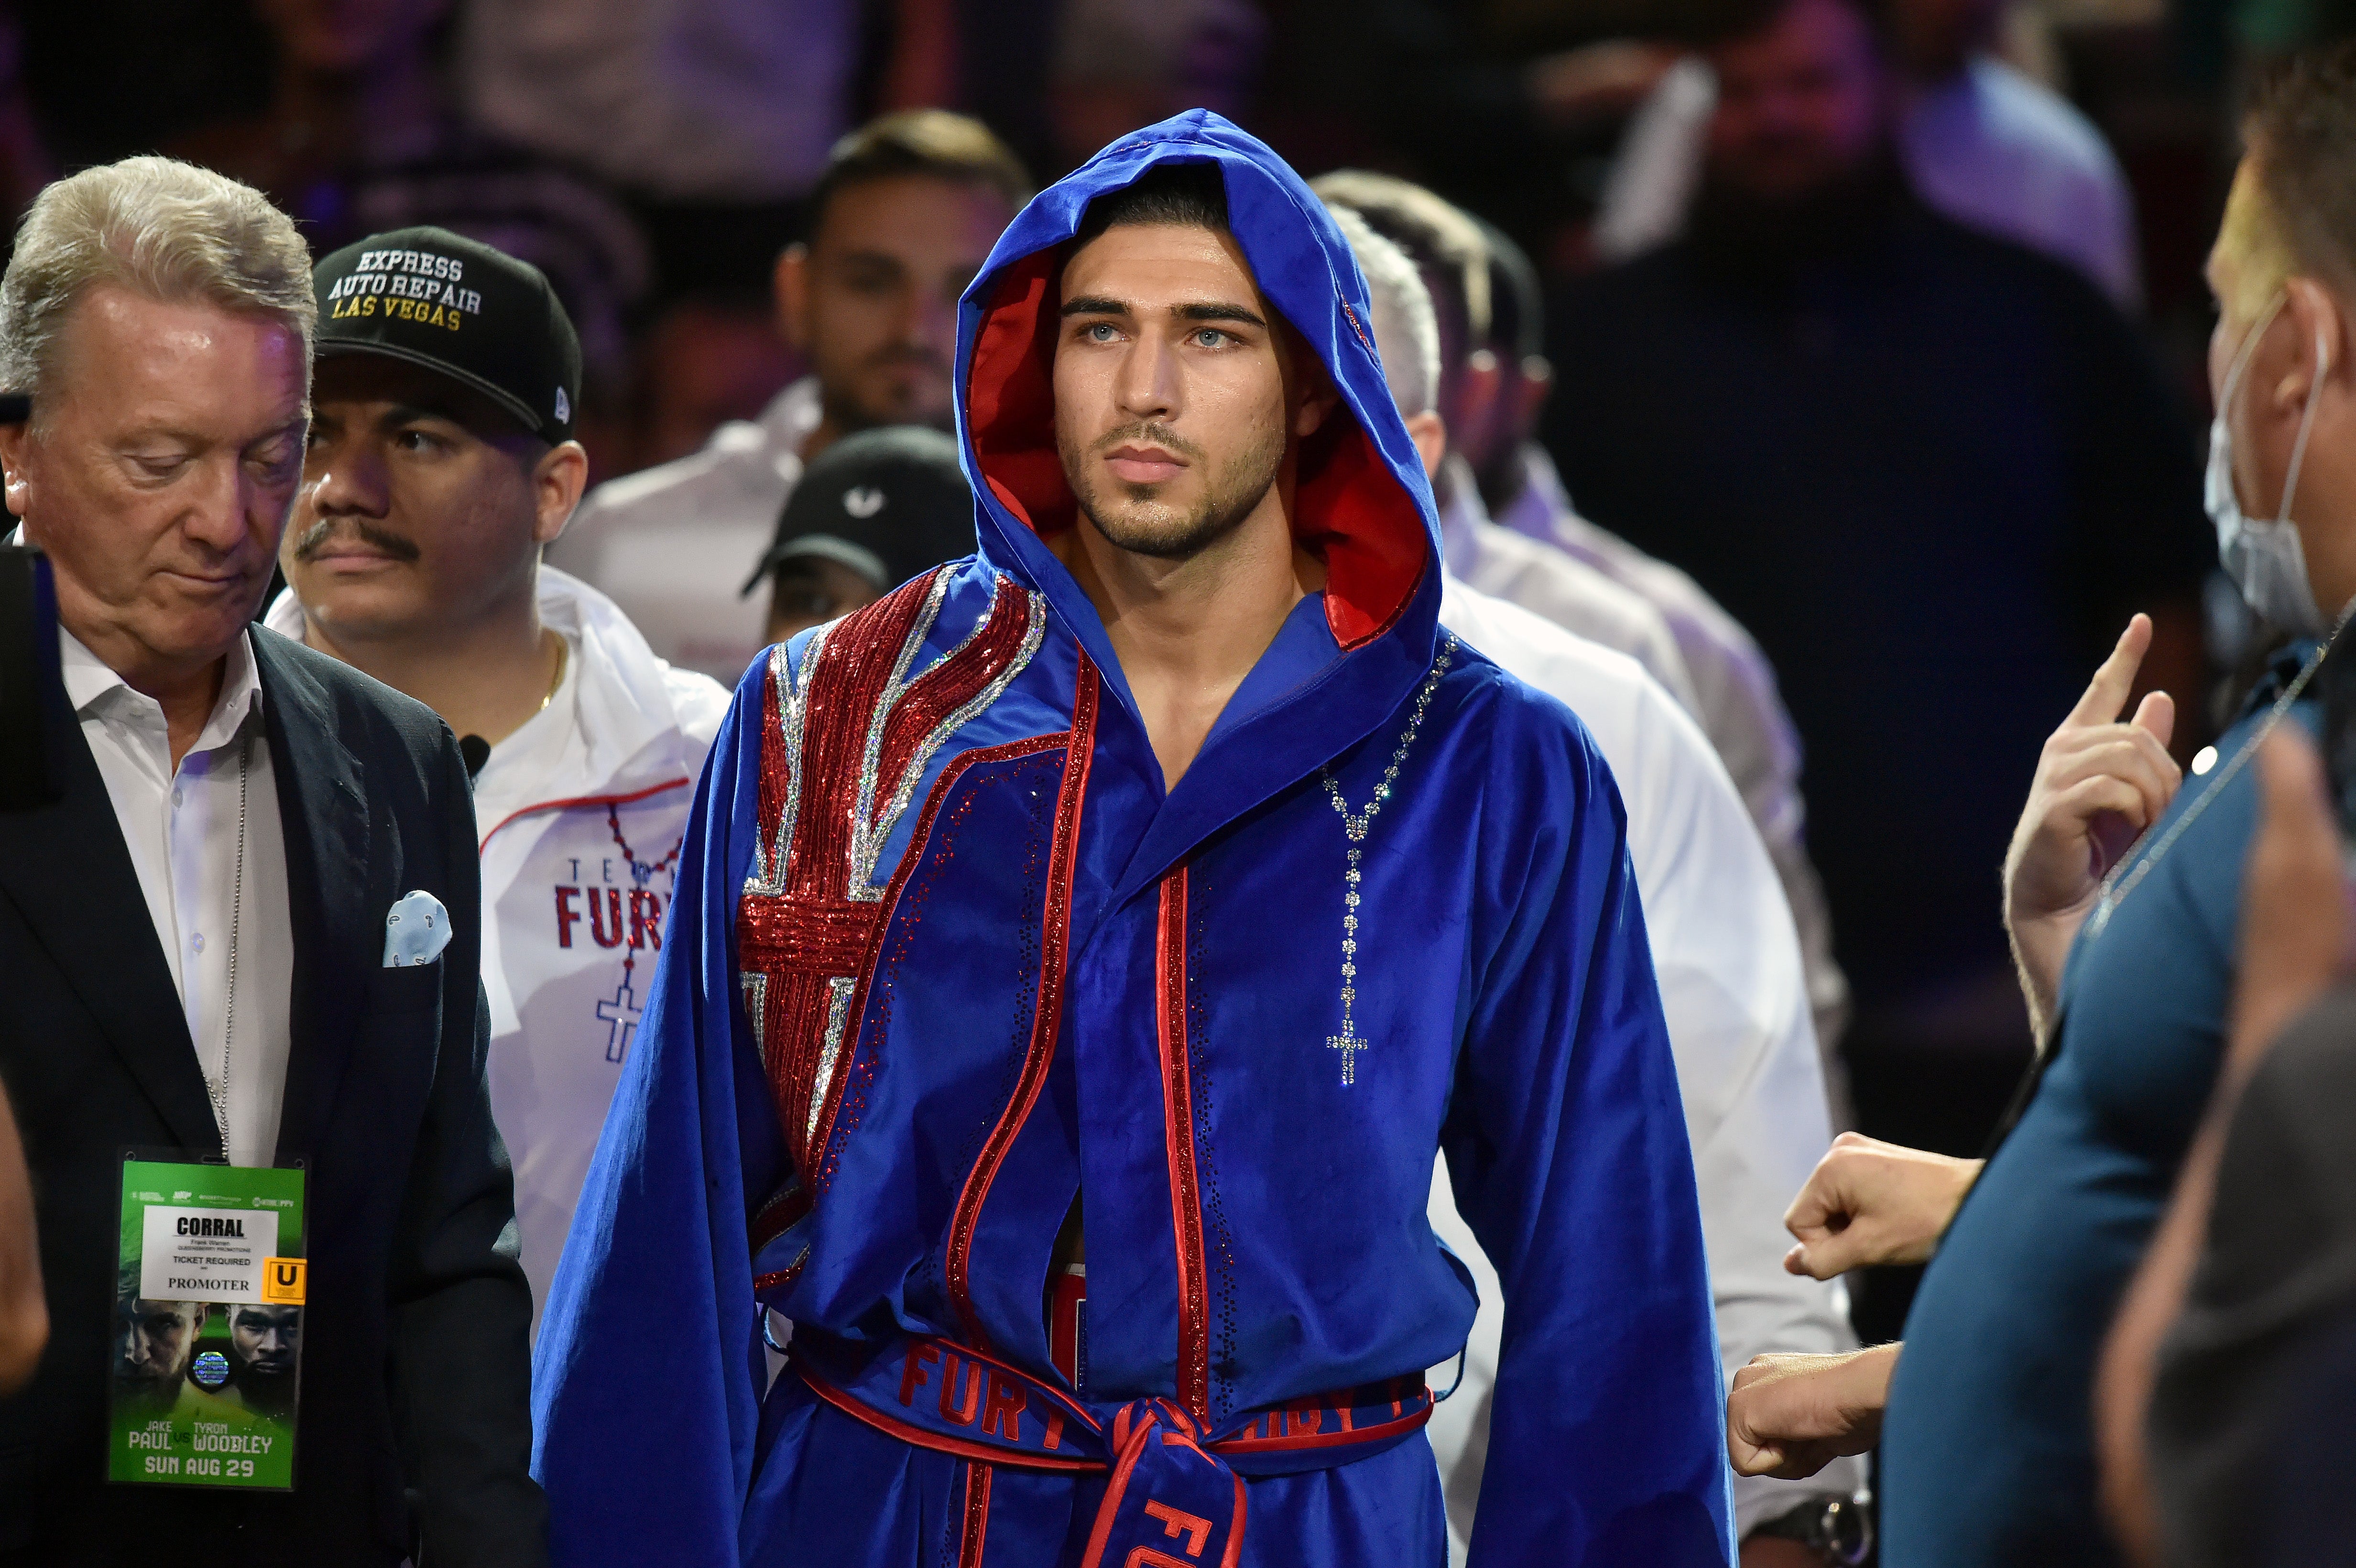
205	1255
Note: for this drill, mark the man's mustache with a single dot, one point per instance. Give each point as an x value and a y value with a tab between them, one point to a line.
315	539
1148	433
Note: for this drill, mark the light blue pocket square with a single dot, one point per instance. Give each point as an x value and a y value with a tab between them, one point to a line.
416	929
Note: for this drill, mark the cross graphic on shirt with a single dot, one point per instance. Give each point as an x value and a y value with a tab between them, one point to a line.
1349	1042
622	1012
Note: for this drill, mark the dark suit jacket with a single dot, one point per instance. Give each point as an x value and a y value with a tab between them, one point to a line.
415	1425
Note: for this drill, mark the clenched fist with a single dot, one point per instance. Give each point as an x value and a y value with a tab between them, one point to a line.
1789	1416
1869	1202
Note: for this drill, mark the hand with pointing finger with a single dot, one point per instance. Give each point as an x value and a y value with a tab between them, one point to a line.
1869	1203
2099	784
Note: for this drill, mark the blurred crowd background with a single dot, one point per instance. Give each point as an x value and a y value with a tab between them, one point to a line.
652	155
655	156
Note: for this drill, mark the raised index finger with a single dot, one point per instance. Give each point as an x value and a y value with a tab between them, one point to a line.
2106	694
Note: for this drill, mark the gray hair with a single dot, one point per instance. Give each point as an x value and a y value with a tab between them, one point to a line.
160	228
1407	332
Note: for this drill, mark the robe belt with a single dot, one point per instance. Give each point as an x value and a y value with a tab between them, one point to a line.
1175	1495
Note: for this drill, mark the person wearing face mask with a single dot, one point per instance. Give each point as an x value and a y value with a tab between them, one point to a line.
2126	947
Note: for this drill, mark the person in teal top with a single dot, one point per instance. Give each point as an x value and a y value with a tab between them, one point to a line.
1987	1446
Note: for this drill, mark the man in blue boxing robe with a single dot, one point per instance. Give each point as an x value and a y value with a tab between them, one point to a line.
1130	911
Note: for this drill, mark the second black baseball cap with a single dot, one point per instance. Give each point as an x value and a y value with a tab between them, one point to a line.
459	307
888	504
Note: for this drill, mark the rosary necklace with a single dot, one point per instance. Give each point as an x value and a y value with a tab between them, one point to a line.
623	1011
220	1086
1349	1042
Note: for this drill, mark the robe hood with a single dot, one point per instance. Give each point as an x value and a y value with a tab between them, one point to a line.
1362	503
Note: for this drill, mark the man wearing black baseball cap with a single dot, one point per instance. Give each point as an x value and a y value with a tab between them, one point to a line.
872	511
442	460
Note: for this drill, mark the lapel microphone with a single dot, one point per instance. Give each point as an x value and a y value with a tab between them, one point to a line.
476	752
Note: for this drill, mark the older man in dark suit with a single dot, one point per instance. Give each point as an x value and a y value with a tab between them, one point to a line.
194	943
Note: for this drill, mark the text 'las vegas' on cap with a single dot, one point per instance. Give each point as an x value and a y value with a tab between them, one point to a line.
460	307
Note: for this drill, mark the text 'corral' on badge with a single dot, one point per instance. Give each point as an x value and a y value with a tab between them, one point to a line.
416	929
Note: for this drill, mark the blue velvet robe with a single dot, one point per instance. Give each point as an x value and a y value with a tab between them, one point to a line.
946	952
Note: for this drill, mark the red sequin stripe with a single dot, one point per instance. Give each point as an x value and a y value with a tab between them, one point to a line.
784	1276
1054	943
1178	1139
803	936
950	685
977	1515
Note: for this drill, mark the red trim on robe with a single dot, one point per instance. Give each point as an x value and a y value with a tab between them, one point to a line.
1047	1013
1178	1138
977	1515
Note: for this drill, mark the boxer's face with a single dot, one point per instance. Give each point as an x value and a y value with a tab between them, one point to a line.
1177	393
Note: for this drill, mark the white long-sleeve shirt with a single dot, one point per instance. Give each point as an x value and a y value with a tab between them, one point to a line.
672	545
1546	580
1735	999
180	826
1738	708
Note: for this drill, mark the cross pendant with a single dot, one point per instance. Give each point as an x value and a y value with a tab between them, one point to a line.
622	1012
1349	1042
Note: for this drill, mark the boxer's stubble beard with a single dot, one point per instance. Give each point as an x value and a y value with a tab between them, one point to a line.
1134	518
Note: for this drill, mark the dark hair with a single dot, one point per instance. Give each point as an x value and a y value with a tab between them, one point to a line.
2300	130
1186	196
930	142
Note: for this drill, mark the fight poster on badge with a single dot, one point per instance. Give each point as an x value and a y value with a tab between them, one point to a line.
207	1342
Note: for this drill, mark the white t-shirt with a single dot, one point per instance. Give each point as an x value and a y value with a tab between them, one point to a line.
579	813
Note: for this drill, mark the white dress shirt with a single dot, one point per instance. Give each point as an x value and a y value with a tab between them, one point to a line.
672	545
1550	583
1738	708
1733	993
1990	147
181	827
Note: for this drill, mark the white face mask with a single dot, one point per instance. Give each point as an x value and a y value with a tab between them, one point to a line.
2263	559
